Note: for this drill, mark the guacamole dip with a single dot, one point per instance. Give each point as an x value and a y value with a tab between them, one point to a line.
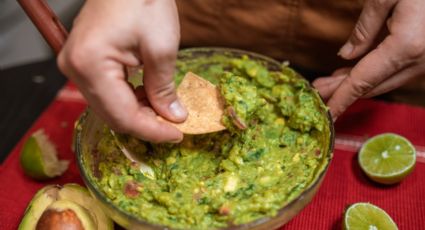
275	145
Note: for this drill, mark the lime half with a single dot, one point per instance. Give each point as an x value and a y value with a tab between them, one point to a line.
39	158
387	158
366	216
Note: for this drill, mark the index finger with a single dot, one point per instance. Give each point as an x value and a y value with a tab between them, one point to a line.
116	103
397	51
384	61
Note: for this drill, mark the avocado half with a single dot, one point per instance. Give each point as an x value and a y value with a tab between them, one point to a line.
54	203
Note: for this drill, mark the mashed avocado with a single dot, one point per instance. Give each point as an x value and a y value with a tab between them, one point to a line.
275	146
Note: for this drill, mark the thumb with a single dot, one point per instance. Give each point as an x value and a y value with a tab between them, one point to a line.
159	65
372	18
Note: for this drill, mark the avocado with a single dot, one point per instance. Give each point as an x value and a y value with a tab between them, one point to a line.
74	198
65	214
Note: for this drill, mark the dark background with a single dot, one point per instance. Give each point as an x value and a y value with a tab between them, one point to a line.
25	91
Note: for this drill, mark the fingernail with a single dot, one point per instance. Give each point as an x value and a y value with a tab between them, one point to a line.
178	110
346	50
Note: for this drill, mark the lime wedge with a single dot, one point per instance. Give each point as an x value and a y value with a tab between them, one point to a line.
387	158
39	158
366	216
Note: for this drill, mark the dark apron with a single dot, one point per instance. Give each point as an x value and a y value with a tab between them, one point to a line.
308	33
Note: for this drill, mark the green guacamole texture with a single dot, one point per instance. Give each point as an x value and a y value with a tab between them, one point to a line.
274	147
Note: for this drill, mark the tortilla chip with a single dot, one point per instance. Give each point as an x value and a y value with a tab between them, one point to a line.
203	103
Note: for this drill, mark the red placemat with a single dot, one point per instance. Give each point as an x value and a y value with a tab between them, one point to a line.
344	183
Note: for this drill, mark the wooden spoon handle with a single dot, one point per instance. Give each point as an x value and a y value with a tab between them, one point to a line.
46	22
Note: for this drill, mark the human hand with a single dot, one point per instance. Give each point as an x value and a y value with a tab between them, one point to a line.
109	35
397	58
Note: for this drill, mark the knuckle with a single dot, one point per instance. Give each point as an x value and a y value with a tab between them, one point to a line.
165	52
396	64
72	59
165	91
379	4
62	62
360	33
414	48
359	86
77	58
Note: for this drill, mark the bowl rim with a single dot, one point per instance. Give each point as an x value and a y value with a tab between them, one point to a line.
315	182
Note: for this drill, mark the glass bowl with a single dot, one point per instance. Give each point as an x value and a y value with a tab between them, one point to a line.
89	128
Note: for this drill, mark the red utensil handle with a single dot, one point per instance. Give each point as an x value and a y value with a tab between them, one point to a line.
46	22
